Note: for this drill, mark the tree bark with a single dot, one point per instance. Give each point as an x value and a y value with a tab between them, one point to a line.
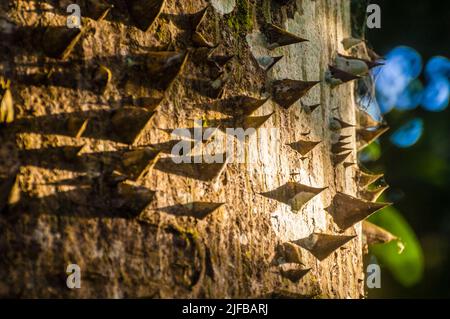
70	210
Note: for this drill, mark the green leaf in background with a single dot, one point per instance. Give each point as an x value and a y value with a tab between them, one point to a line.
406	267
370	153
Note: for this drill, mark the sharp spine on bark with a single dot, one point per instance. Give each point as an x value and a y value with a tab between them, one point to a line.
286	92
255	121
348	164
340	158
294	194
199	210
249	105
6	102
337	124
129	122
219	60
365	137
72	152
373	194
347	210
322	245
133	198
351	65
102	77
340	150
365	120
309	108
9	191
165	66
114	178
278	37
289	253
293	272
77	126
203	209
200	41
335	76
267	62
303	147
365	179
348	43
374	234
342	138
198	18
139	162
197	168
59	42
145	12
98	9
370	64
339	147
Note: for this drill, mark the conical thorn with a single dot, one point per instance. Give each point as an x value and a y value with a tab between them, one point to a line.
164	66
337	124
199	40
77	126
98	9
366	137
322	245
335	76
339	147
256	122
340	158
9	191
198	18
374	194
293	272
198	210
347	210
248	105
348	43
277	37
129	122
58	42
145	12
286	92
267	62
294	194
364	179
303	147
374	234
365	120
349	164
137	163
133	198
309	108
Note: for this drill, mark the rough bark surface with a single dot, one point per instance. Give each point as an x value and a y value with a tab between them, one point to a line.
64	214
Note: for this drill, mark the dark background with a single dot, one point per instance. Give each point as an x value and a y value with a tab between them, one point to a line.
420	175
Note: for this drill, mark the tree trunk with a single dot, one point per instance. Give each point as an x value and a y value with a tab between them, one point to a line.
155	230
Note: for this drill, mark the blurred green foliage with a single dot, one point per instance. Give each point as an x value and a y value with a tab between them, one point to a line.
404	258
